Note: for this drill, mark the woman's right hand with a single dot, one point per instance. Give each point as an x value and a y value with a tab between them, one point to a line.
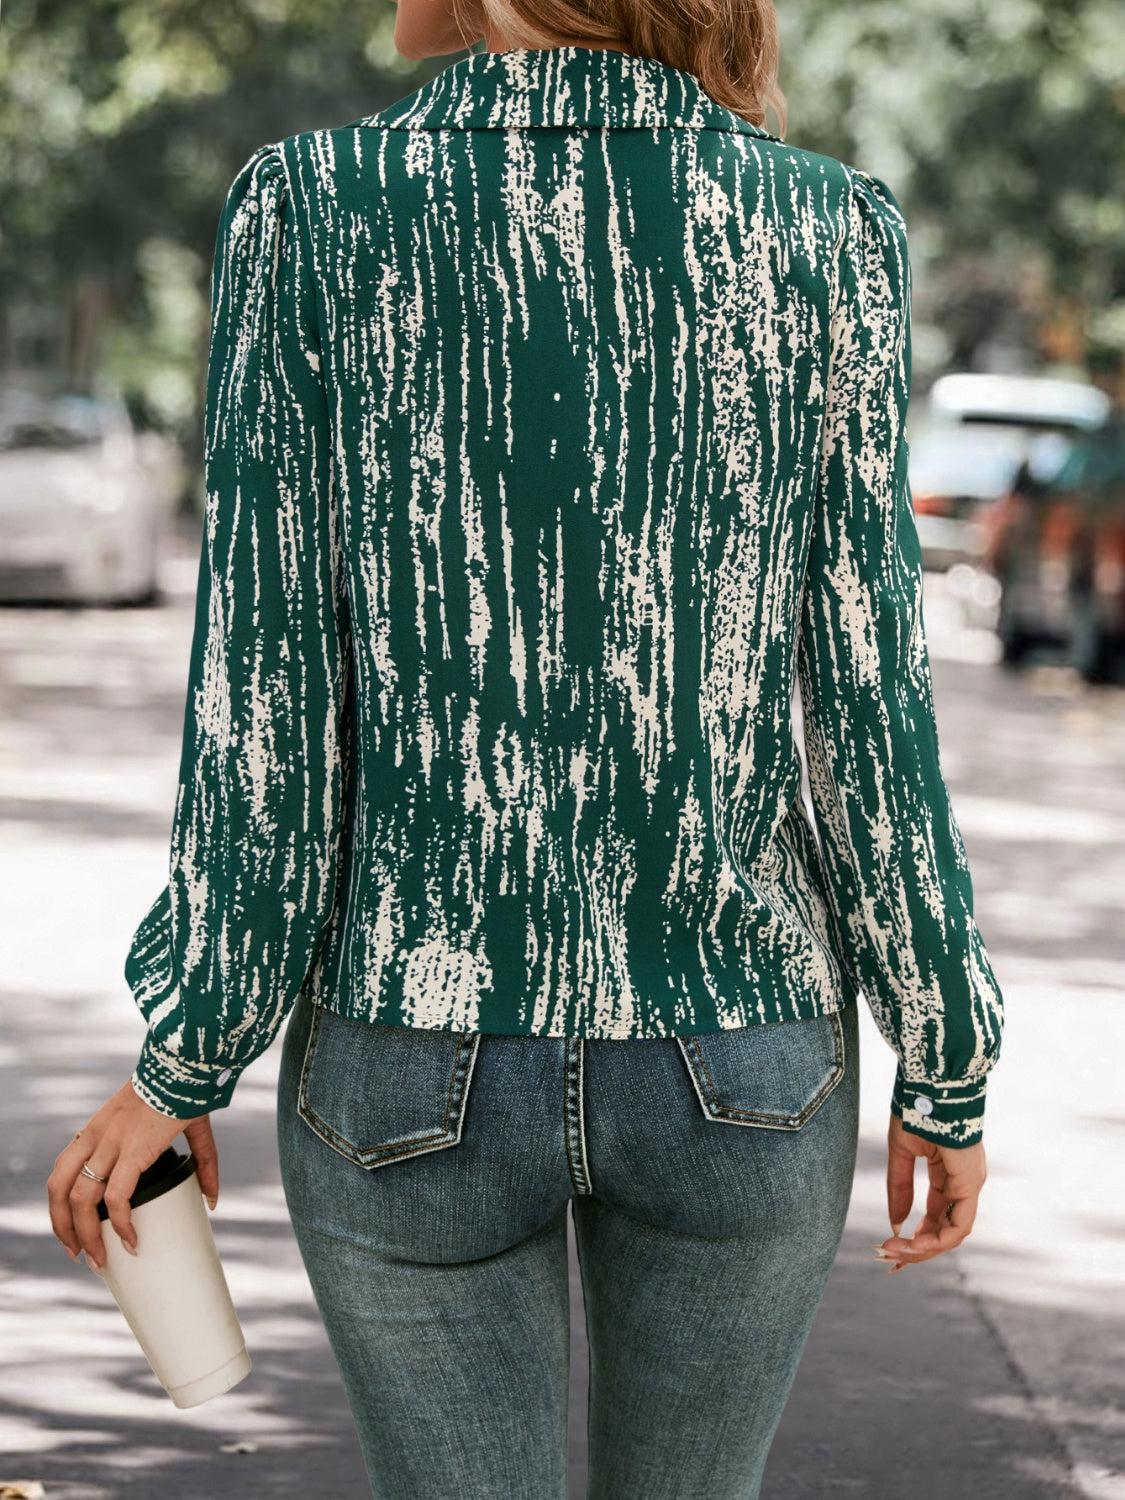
956	1176
118	1142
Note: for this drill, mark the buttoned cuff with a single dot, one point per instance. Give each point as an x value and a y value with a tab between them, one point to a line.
950	1114
181	1088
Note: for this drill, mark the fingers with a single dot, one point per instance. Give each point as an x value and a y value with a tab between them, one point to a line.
900	1181
955	1176
85	1195
956	1181
118	1190
201	1139
937	1201
64	1180
67	1166
125	1136
962	1175
953	1231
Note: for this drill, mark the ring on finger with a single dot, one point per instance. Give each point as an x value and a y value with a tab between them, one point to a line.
87	1171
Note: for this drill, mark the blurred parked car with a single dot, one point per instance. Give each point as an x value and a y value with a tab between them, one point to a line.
1056	544
84	500
975	433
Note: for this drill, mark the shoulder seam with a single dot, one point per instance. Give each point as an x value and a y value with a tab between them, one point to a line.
847	205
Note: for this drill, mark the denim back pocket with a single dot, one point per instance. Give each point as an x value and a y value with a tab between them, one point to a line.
378	1093
775	1074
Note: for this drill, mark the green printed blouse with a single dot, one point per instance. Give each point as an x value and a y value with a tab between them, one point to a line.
554	435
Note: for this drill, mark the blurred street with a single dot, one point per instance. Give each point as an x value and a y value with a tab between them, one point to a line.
994	1372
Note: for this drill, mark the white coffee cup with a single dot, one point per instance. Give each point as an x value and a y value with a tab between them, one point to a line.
173	1292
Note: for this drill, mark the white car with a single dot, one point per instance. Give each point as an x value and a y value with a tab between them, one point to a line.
969	442
84	500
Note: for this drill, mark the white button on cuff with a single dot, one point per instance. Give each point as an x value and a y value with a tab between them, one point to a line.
223	1077
923	1105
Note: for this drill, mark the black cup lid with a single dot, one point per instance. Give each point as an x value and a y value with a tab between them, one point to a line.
167	1171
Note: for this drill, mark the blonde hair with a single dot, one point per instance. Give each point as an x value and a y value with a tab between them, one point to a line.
731	46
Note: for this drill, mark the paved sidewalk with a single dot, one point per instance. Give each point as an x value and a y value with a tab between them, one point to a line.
996	1372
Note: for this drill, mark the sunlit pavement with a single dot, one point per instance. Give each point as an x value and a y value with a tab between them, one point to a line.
993	1372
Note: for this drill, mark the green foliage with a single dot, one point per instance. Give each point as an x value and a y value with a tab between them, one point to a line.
122	123
1000	125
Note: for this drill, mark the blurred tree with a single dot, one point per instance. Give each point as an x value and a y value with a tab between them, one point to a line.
122	122
1001	128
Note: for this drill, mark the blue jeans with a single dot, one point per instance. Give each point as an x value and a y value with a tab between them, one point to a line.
428	1174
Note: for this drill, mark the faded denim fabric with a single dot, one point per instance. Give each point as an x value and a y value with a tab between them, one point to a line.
428	1174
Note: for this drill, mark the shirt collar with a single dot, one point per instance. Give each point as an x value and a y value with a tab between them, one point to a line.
580	87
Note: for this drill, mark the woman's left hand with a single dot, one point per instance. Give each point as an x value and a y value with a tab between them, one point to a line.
956	1176
119	1142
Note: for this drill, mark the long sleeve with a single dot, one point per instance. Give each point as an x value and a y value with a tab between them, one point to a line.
219	958
899	879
